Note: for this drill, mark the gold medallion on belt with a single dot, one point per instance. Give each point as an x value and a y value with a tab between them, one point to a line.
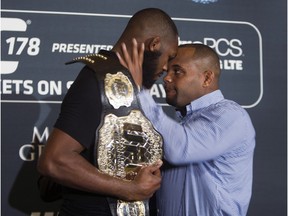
118	90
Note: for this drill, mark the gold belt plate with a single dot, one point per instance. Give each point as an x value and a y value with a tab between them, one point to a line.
118	90
126	143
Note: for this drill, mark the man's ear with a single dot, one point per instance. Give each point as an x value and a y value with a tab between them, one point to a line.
208	78
153	44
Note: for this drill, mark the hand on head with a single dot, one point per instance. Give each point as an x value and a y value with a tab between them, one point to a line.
133	63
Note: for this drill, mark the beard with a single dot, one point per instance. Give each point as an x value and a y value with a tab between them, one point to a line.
171	100
150	65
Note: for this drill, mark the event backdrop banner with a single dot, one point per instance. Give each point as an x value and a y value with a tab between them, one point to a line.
37	40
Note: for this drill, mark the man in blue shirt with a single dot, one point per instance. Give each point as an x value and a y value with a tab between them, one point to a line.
209	152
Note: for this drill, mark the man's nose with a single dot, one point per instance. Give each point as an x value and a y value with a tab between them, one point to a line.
168	78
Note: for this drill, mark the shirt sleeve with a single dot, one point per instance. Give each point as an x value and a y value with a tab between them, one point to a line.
201	138
81	109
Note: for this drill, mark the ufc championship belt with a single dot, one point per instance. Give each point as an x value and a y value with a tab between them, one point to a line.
125	139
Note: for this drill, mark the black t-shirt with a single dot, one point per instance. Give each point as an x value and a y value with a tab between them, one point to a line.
81	109
79	117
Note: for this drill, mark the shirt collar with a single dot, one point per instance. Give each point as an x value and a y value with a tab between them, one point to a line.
202	102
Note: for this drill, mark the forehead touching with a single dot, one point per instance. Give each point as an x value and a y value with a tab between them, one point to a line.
184	56
173	50
170	46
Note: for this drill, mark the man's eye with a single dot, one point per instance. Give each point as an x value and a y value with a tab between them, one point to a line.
171	58
177	72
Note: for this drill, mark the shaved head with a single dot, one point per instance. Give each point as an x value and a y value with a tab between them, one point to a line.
151	22
158	32
209	58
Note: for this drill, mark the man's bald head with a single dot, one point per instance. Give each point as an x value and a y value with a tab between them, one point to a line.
209	58
208	61
149	23
157	31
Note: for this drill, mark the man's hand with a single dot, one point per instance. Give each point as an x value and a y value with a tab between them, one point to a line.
134	64
145	183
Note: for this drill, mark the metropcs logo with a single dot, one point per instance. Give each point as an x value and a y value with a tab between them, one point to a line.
31	45
224	48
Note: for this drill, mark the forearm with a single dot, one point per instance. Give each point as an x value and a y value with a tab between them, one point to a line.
75	172
173	133
61	160
195	140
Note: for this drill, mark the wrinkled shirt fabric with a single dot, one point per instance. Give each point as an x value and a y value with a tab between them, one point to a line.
209	154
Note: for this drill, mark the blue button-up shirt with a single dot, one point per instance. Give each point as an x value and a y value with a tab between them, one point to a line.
210	154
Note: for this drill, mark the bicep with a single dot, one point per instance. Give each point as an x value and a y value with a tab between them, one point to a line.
60	143
60	147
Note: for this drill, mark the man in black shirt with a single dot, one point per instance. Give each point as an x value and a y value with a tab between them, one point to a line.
69	157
